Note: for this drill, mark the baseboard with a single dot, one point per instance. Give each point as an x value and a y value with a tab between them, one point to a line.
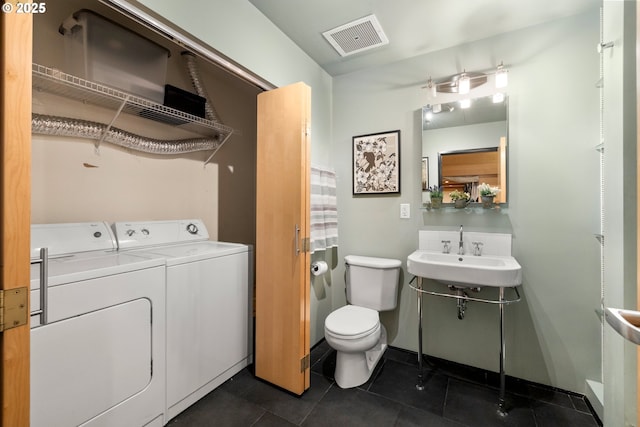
595	396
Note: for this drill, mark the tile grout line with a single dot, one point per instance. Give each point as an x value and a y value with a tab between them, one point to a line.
444	401
316	403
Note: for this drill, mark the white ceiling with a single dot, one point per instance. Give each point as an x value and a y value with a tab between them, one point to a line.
414	27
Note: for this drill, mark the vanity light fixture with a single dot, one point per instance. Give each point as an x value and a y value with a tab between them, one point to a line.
430	110
464	82
458	83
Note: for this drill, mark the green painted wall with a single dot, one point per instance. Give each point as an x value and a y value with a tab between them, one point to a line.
553	335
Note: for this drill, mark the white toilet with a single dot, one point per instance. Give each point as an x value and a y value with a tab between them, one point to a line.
354	331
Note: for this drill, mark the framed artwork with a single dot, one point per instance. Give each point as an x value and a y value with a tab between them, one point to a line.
425	173
376	163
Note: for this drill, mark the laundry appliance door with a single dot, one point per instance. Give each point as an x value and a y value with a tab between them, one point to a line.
100	358
85	365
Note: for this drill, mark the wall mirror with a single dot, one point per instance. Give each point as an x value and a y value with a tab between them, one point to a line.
464	147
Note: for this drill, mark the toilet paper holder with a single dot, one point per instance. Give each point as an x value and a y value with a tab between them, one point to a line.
319	267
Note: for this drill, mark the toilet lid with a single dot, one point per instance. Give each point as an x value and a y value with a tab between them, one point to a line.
352	320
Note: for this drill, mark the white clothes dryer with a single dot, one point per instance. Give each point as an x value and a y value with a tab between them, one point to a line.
209	298
98	342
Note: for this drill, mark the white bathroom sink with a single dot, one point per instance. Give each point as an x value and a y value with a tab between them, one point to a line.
466	270
624	322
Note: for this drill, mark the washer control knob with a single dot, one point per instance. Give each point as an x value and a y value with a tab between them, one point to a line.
97	234
192	228
130	232
145	231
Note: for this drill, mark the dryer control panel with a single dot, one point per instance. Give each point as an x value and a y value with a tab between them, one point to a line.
69	238
140	234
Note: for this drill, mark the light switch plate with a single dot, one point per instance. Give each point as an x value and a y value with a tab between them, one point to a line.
405	210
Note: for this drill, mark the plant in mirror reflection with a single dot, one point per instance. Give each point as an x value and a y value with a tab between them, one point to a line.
436	192
459	195
487	190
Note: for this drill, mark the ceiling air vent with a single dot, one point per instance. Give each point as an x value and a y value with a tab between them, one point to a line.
361	34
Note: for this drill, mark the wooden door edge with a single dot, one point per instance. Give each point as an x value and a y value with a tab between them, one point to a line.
16	34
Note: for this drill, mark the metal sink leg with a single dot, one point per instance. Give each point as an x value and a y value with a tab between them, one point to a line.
420	384
501	403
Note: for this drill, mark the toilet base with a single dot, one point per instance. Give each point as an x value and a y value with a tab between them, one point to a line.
354	369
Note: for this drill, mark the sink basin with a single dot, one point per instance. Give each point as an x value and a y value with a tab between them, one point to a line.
466	270
624	322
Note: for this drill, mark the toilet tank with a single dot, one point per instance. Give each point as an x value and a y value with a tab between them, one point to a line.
372	282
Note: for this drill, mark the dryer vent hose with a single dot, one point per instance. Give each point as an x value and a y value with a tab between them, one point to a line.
209	110
62	126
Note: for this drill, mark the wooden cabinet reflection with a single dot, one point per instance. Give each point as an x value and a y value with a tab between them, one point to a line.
464	170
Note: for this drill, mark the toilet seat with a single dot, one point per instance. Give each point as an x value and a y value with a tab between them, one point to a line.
352	322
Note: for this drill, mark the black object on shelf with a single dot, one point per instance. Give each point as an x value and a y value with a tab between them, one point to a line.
184	101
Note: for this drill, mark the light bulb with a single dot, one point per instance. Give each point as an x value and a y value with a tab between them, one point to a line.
465	103
502	78
436	108
464	84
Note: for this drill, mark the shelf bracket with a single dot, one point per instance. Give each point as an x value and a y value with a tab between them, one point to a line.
217	148
602	46
108	128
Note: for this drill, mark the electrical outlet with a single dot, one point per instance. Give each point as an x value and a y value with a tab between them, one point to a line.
405	210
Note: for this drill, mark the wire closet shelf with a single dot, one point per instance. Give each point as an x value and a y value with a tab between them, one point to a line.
57	82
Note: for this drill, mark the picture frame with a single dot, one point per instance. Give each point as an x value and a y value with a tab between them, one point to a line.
376	163
425	173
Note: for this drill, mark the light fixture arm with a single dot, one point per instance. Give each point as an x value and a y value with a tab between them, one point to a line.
457	83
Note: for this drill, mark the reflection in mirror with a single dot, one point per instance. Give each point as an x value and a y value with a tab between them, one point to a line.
465	170
463	148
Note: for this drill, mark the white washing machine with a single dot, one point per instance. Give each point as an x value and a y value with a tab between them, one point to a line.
209	294
97	333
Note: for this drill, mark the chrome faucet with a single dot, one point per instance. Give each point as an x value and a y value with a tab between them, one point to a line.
461	244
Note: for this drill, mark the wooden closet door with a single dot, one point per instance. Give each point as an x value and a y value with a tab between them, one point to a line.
282	230
15	191
638	207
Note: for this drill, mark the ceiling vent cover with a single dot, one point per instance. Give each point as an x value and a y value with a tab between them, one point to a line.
361	34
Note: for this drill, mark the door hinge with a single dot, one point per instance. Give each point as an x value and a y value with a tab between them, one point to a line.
14	311
305	363
306	244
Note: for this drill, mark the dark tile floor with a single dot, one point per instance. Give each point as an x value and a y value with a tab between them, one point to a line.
454	396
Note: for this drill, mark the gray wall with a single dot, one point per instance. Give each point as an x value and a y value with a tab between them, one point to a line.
553	335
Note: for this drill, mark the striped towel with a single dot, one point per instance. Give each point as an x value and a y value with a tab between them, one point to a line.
324	212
